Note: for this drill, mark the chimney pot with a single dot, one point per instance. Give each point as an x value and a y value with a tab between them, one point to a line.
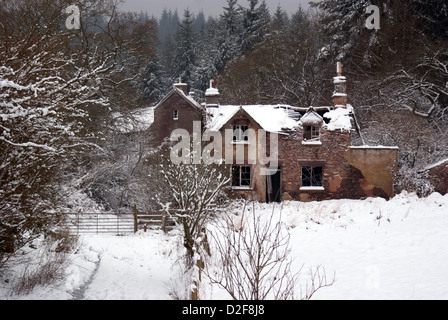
340	89
212	96
182	86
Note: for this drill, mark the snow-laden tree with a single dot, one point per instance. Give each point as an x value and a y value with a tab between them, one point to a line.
231	26
185	46
255	20
56	89
285	68
397	74
193	191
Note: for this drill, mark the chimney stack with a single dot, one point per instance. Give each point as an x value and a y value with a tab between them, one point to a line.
340	89
212	96
182	86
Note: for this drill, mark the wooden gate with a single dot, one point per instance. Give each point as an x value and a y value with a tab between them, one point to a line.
117	224
154	220
97	223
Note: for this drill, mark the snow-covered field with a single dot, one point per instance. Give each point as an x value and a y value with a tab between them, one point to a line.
377	249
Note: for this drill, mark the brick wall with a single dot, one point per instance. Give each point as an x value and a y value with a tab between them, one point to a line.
438	176
340	179
164	124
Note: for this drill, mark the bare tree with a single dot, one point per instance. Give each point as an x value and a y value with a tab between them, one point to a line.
254	260
194	192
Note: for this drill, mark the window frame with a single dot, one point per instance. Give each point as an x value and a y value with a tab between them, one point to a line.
313	183
239	134
176	115
241	178
312	133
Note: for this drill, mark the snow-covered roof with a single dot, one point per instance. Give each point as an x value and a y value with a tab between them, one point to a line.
272	118
188	98
340	119
340	79
311	117
277	118
437	164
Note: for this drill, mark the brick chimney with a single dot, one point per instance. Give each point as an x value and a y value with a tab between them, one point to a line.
340	89
212	96
182	86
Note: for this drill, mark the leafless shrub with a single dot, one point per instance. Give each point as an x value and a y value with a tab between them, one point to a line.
44	266
255	260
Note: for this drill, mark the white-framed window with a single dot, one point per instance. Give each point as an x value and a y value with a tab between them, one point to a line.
175	115
241	176
241	133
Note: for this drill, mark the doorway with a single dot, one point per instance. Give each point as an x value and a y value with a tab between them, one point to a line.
273	187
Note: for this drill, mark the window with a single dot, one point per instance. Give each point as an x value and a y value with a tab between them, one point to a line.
312	176
241	176
175	115
311	133
240	133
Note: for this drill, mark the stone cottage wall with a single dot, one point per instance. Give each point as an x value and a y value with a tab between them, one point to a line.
341	180
164	124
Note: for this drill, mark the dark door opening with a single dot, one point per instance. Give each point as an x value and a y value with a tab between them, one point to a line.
273	187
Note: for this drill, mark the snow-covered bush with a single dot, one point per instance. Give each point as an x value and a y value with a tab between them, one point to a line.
410	180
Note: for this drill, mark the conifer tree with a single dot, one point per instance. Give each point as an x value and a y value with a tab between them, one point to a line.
185	58
256	21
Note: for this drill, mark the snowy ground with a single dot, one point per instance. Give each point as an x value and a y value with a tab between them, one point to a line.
377	249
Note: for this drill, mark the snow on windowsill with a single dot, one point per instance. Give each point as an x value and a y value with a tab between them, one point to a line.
374	147
242	188
240	142
312	143
312	189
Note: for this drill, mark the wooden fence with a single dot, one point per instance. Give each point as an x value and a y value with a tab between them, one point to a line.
117	224
154	220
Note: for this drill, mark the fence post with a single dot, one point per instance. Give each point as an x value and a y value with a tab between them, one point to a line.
78	222
135	219
164	221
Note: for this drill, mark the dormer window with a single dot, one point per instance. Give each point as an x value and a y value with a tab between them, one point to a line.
175	115
311	133
312	123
